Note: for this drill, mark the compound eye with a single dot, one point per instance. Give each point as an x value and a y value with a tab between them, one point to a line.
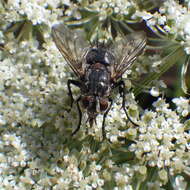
103	104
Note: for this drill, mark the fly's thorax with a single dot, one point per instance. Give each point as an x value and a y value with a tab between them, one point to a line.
100	55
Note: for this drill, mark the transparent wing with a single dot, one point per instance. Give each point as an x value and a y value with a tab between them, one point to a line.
127	51
72	46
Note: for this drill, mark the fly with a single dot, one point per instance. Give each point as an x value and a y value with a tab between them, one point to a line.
98	69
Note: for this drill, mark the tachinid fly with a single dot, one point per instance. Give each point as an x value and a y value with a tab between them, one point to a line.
98	69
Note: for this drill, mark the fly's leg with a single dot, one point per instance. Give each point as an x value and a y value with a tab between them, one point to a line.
122	92
78	84
80	117
75	83
104	118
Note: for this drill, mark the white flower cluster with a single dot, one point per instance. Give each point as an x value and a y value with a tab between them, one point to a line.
37	151
38	12
183	106
180	17
162	139
28	160
119	6
172	18
116	120
23	81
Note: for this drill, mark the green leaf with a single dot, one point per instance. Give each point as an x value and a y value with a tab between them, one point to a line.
167	63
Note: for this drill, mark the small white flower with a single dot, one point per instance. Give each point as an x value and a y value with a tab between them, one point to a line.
183	105
154	92
180	183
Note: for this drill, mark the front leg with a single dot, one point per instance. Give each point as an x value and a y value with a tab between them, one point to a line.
122	92
75	83
80	117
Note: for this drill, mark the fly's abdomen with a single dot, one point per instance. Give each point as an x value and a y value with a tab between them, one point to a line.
98	82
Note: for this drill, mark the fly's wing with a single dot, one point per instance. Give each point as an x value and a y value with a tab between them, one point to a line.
71	44
126	51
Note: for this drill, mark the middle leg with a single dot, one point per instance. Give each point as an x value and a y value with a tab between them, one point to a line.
122	92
